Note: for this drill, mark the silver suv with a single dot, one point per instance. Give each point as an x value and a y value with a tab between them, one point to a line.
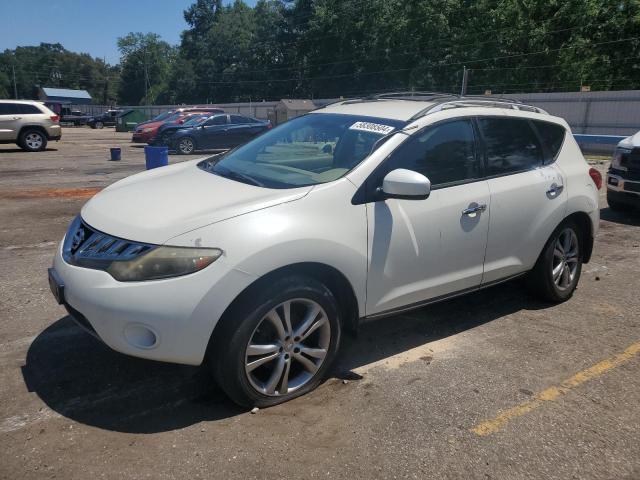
29	124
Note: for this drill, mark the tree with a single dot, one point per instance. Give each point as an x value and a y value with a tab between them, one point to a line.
145	65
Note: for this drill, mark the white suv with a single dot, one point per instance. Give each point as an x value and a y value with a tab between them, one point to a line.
259	259
29	124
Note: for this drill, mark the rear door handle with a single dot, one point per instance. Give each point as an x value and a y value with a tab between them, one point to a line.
554	190
474	209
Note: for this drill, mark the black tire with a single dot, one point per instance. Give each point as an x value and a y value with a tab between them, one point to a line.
244	320
617	206
98	125
32	140
181	145
541	279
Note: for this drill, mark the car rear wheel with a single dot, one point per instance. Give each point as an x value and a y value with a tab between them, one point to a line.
557	271
99	125
186	146
33	140
278	346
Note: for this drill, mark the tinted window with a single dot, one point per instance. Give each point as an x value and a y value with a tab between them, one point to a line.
8	109
219	120
445	154
552	136
239	119
27	109
510	145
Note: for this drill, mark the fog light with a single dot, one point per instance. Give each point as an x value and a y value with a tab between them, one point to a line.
140	336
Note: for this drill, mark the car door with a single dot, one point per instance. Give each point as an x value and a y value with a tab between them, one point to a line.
528	199
420	250
10	121
239	130
213	132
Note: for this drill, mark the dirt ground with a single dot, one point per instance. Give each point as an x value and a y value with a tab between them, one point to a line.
494	385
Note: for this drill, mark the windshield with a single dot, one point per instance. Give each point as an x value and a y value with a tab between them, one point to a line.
162	116
308	150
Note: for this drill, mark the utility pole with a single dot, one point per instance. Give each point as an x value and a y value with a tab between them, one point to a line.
15	88
465	80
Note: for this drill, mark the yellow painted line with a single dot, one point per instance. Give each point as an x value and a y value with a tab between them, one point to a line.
553	393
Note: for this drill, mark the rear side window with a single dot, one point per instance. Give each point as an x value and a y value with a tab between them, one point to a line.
511	145
552	136
26	109
444	153
239	119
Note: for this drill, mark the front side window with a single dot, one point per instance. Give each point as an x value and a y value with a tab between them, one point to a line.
308	150
444	153
511	145
219	120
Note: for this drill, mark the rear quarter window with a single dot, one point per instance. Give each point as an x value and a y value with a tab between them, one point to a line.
552	136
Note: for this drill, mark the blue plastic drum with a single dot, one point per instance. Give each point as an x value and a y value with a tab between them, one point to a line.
115	154
156	157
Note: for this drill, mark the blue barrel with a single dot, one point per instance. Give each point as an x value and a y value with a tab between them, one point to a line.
156	157
115	154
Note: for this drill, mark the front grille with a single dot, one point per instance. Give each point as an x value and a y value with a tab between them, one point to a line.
631	160
87	247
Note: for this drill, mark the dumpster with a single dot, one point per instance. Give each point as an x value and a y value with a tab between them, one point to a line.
128	119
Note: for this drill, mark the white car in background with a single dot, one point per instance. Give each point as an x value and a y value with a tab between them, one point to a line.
623	177
259	259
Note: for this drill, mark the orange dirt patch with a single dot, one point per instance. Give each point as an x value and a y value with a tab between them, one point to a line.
52	193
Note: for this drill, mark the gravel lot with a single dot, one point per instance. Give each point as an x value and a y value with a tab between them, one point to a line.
492	385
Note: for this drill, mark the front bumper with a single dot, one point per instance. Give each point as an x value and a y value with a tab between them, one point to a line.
622	189
169	320
142	137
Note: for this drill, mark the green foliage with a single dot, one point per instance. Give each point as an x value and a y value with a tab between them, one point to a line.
145	65
50	65
328	48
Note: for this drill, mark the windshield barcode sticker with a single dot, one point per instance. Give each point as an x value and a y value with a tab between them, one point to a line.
372	127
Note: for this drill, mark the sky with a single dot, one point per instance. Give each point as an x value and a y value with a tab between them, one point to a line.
90	26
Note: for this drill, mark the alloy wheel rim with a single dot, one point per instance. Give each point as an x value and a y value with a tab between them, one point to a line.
34	140
288	347
565	259
186	145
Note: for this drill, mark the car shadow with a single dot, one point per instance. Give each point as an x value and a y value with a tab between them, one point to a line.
19	150
631	217
82	379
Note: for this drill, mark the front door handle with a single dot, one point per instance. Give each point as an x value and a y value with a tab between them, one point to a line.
474	209
554	190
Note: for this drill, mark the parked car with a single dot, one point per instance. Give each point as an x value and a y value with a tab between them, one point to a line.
107	119
147	132
623	177
74	117
220	132
257	260
167	130
29	124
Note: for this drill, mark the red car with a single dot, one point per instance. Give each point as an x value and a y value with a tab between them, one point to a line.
146	131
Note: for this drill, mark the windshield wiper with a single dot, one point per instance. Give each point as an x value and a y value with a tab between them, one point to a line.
240	177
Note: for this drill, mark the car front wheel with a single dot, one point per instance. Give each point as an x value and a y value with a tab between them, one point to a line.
557	271
278	346
186	146
99	125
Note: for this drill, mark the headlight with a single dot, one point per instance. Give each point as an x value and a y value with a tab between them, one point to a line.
147	130
163	262
618	154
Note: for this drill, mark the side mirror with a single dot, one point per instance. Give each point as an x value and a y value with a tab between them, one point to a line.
405	184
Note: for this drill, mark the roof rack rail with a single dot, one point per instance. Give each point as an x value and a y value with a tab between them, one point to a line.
479	101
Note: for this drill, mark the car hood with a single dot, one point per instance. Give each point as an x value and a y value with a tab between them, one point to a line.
157	205
631	142
149	125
